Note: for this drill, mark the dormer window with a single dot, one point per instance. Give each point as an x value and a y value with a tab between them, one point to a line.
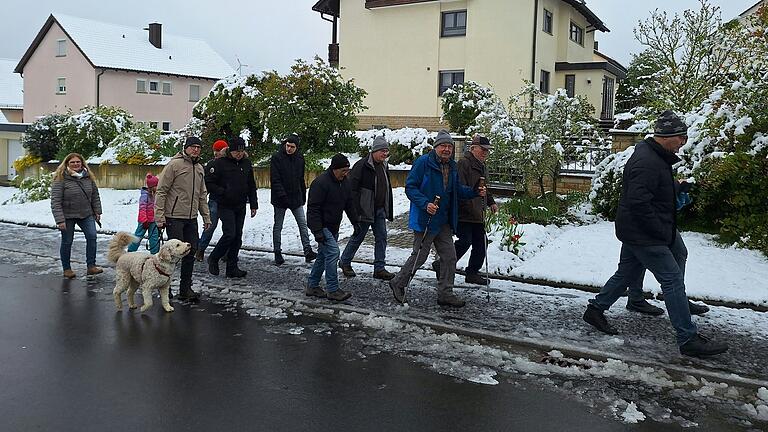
61	48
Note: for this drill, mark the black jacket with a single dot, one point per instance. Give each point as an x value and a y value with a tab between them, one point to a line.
231	182
289	190
646	213
208	166
328	199
363	180
470	170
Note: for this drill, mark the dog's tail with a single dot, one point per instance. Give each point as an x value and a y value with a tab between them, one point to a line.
117	245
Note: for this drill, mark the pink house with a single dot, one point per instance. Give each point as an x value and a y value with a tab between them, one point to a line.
158	78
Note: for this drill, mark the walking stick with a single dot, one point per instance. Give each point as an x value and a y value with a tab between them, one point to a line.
485	240
436	202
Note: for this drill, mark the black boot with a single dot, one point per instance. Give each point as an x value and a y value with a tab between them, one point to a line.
700	346
213	266
279	260
450	300
186	294
347	270
596	319
643	306
475	278
338	295
697	309
236	273
397	291
310	256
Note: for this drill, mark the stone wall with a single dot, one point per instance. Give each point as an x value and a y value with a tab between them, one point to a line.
432	124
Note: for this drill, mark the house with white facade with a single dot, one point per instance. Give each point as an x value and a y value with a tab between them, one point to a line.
158	78
12	124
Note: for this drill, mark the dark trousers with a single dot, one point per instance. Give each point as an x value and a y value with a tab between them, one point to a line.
232	220
186	231
471	235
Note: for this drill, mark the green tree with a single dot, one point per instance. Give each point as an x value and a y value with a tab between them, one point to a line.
91	130
461	105
42	138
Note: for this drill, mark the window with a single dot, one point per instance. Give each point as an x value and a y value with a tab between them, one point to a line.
449	78
141	86
194	92
166	126
454	23
544	82
570	85
154	87
547	21
153	125
577	34
61	48
61	86
166	88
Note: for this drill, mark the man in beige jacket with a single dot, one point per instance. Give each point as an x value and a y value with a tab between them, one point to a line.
181	194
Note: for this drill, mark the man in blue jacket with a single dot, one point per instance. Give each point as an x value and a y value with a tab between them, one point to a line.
647	229
434	174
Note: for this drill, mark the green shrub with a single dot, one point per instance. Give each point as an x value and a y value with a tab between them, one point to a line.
550	209
462	104
42	139
90	131
138	146
607	184
36	188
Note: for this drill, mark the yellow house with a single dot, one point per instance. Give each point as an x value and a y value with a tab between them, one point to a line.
12	127
405	53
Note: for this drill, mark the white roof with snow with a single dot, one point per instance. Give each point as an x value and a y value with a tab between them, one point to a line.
11	85
128	48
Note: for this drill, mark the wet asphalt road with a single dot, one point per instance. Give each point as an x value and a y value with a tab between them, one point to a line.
70	362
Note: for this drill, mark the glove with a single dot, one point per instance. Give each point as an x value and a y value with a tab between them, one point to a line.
319	237
145	225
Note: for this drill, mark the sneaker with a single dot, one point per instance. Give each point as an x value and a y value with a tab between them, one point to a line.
383	274
700	346
236	273
279	260
644	307
95	270
475	278
314	292
436	268
310	256
596	319
199	255
397	292
69	274
189	295
450	300
347	270
338	295
697	309
213	267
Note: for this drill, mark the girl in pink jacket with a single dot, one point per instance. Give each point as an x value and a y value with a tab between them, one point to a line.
147	217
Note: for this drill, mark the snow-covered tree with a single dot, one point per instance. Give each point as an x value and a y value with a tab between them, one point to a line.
90	131
461	105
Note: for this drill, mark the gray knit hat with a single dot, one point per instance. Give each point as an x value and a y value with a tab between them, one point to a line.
443	137
669	125
379	143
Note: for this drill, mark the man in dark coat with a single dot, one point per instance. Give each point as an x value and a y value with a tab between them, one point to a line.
231	181
646	226
330	195
372	193
289	191
219	151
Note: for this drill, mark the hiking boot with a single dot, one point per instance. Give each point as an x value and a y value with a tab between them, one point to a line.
213	267
397	292
94	270
644	307
697	309
69	274
338	295
383	274
189	295
700	346
595	317
310	256
236	273
279	260
436	268
314	292
199	255
475	278
347	270
450	300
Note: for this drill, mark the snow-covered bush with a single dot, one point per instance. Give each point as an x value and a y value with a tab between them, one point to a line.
462	104
139	145
607	183
90	131
42	139
36	188
405	145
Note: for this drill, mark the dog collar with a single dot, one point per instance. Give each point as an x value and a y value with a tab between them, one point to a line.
159	269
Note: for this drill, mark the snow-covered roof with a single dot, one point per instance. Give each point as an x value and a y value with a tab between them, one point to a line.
11	85
113	46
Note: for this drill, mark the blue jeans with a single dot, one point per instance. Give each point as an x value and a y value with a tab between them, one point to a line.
277	229
88	225
380	241
679	251
669	271
154	238
205	238
327	261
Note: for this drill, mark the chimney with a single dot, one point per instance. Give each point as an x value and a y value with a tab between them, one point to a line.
156	35
596	49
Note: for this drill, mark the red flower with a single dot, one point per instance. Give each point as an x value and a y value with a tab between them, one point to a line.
516	238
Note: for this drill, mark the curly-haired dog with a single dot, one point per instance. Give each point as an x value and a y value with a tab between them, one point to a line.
138	270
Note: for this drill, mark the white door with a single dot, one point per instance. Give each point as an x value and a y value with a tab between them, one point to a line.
15	151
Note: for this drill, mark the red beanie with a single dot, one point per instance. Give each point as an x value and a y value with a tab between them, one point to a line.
152	180
220	145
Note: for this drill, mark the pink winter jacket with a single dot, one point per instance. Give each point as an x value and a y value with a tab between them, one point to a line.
146	206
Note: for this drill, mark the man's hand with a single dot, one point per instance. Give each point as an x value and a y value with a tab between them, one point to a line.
319	237
160	224
432	209
494	208
62	226
98	218
253	212
481	191
206	226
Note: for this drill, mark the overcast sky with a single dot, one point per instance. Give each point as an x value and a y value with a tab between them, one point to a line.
271	34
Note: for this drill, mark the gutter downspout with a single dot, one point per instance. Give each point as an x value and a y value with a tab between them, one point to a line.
535	34
98	86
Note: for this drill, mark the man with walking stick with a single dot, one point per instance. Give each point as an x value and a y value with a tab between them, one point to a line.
434	175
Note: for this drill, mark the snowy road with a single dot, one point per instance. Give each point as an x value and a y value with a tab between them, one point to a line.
638	374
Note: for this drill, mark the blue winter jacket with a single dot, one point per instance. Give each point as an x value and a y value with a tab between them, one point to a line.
424	182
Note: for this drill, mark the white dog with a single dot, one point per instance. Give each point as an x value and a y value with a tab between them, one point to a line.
138	270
